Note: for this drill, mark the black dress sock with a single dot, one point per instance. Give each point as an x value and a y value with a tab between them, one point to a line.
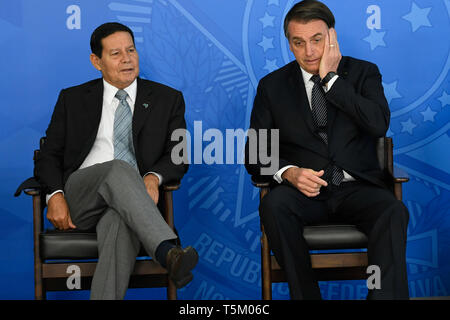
162	250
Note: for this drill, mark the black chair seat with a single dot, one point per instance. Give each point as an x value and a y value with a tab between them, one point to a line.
70	245
330	237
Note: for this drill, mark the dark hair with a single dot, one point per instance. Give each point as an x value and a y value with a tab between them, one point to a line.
307	10
102	32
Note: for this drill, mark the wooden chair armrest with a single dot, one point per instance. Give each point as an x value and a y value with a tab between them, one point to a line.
32	192
400	175
261	182
171	186
30	187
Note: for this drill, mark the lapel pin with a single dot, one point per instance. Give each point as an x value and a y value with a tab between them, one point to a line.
145	105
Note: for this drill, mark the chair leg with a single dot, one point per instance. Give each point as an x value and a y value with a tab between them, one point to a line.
171	291
39	292
266	268
168	216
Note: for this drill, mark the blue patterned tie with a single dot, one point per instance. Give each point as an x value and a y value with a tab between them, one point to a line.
319	111
123	137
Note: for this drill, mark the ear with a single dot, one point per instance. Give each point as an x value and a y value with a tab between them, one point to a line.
96	61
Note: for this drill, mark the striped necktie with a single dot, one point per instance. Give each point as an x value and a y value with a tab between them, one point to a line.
123	137
319	111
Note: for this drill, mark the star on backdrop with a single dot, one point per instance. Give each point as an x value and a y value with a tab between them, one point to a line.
444	99
267	20
266	43
408	126
375	39
271	65
428	115
390	91
418	17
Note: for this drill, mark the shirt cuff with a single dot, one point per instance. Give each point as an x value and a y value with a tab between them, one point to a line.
160	178
48	196
277	176
331	82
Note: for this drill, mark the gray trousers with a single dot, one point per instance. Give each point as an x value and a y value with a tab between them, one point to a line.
112	197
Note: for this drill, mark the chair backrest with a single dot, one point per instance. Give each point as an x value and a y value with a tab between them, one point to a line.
384	154
36	152
42	142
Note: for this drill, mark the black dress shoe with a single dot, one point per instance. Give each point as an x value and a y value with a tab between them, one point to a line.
180	262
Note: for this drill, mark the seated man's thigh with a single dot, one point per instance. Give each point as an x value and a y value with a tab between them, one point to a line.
287	200
366	204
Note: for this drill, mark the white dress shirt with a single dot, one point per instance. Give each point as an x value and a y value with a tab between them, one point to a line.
103	148
308	86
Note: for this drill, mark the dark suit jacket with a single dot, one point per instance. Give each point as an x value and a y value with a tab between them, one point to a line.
358	114
75	121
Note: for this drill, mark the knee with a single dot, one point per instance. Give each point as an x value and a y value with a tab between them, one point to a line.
400	211
120	168
110	219
395	216
268	204
272	205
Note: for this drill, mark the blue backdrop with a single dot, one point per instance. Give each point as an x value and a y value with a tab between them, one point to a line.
215	52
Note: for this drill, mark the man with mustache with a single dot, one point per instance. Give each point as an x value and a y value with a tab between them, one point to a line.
107	152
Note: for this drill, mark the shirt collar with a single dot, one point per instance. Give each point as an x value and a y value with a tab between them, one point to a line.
306	75
109	91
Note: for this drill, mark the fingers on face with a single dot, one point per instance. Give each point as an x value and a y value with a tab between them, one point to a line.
327	41
335	41
332	34
332	39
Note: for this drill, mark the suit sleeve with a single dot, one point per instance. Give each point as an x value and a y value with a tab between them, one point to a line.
49	163
165	166
368	108
261	118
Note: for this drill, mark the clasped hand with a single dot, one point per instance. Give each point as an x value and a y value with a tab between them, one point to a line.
307	181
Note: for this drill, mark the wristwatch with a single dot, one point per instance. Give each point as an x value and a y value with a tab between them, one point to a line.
327	78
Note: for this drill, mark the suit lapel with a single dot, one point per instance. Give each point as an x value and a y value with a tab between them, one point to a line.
90	113
301	99
331	115
94	103
142	107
